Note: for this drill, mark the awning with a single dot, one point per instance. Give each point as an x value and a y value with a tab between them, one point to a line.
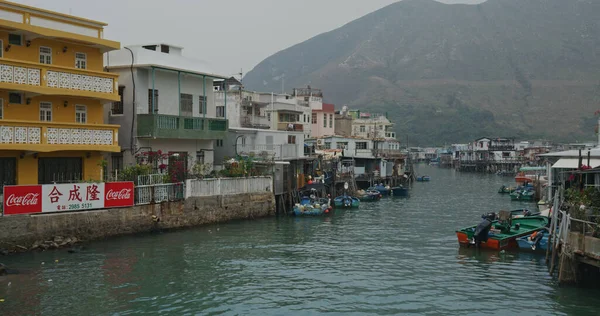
573	163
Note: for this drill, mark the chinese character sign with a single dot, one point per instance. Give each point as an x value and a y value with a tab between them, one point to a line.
71	197
66	197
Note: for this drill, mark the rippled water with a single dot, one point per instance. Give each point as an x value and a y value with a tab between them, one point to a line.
398	256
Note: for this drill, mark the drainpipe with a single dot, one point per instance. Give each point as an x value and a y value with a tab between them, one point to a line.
179	90
155	119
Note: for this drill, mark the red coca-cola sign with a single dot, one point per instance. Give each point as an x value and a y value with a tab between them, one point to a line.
22	199
118	194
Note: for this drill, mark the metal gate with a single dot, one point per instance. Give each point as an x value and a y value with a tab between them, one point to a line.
59	170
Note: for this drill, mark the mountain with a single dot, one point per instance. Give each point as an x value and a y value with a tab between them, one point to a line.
449	73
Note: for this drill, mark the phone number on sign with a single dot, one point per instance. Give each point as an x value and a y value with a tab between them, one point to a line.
73	207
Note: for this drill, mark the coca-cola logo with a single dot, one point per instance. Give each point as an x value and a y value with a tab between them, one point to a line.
123	194
28	199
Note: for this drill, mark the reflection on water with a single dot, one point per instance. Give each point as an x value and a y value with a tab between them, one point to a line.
396	256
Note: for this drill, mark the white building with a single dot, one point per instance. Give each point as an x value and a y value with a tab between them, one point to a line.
167	104
263	125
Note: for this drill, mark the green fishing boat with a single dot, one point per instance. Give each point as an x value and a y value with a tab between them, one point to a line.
523	195
502	233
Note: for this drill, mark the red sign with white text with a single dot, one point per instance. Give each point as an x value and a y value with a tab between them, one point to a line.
118	194
27	199
22	199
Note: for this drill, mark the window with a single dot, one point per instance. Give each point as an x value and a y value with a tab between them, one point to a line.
244	141
330	120
117	107
152	96
150	47
80	114
219	143
314	118
362	129
327	145
1	48
80	60
269	117
45	55
15	39
186	105
200	157
164	49
45	111
1	109
220	111
116	162
342	145
15	98
324	119
361	145
202	103
291	139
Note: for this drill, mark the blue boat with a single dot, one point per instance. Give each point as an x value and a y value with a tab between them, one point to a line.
539	242
385	191
346	201
312	202
399	191
423	178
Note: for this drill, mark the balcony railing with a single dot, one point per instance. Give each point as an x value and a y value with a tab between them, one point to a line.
255	122
48	79
268	152
51	136
501	148
180	127
292	127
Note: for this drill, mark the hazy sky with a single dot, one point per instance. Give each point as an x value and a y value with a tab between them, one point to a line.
230	35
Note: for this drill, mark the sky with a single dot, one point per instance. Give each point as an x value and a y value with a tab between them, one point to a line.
230	35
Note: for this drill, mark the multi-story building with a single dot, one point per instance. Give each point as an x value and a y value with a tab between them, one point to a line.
309	99
52	91
167	103
322	121
374	126
260	124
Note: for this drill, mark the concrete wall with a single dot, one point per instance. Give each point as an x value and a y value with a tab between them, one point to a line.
25	230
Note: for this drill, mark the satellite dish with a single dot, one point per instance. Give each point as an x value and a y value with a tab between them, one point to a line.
346	185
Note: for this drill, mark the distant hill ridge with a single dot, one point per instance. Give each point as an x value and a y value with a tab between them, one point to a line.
446	73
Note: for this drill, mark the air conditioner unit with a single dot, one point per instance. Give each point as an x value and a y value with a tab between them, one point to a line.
319	142
216	88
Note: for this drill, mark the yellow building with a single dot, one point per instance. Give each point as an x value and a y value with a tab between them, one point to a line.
52	92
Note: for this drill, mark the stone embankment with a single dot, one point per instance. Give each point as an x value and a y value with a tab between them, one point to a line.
20	233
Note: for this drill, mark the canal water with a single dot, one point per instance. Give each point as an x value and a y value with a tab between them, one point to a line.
398	256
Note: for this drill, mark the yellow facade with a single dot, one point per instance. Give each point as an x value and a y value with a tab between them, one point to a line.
52	93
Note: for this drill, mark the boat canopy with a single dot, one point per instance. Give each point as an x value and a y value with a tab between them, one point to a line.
533	169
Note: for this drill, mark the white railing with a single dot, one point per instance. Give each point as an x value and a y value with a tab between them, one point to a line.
33	76
156	193
227	186
151	179
14	134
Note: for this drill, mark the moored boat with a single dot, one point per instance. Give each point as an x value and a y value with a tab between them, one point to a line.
506	190
502	233
312	201
370	196
523	194
384	190
399	191
346	201
423	178
537	241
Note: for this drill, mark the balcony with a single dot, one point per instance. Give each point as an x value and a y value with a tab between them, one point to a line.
51	136
269	152
290	127
259	122
501	148
54	80
180	127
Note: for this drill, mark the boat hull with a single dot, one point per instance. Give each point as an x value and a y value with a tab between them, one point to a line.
525	244
370	198
310	212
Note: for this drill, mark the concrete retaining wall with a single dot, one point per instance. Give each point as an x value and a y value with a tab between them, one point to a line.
20	232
